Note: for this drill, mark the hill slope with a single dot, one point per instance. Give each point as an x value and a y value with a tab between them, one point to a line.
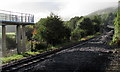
104	11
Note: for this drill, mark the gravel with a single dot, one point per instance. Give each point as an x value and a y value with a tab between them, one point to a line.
73	62
91	57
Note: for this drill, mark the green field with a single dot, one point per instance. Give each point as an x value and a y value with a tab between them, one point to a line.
11	33
8	34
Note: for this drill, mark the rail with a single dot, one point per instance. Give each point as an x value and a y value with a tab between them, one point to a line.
16	16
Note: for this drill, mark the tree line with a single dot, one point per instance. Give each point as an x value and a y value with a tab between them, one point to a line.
52	30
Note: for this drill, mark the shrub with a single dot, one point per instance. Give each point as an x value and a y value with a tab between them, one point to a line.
39	46
77	34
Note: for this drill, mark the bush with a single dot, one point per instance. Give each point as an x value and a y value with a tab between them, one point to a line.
77	34
39	46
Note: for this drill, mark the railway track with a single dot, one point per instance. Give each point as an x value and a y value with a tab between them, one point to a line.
31	61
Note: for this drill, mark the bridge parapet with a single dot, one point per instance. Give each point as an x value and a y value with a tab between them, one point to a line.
16	17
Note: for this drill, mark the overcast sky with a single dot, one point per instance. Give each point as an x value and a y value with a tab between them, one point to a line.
64	8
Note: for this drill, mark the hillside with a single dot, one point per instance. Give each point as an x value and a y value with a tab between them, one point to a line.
104	11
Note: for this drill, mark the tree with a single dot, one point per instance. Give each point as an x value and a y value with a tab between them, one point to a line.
40	29
96	21
73	22
52	30
29	31
87	25
116	38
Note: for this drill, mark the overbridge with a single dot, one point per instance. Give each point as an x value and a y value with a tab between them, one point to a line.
20	20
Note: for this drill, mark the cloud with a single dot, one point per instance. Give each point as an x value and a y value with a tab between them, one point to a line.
40	6
78	8
64	8
40	9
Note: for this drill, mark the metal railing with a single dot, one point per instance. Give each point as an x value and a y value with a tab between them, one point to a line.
16	16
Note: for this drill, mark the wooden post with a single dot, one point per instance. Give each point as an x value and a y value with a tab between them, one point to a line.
4	49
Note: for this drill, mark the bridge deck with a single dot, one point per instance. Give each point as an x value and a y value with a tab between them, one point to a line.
3	22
